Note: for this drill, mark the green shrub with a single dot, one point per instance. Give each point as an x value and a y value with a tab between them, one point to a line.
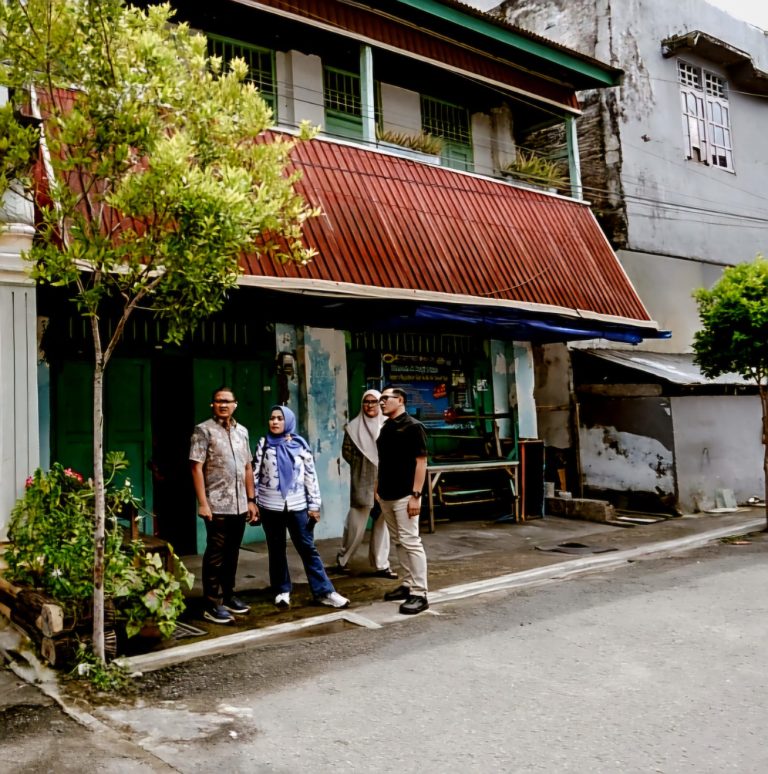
51	546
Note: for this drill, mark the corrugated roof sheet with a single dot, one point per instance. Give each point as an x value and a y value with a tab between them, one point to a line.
671	367
409	228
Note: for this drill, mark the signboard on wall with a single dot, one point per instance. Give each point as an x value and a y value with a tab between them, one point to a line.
429	382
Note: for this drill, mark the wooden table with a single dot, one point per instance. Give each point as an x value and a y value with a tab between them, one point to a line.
434	471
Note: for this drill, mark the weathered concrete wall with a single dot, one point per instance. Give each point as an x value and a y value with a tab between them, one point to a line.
627	449
324	408
718	445
674	206
553	395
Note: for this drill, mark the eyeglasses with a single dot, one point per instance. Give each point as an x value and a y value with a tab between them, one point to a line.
224	402
385	398
370	403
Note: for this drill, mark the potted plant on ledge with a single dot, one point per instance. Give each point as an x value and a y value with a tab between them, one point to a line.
537	171
421	147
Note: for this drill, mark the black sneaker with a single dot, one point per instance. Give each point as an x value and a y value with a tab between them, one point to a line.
414	605
401	592
236	605
218	614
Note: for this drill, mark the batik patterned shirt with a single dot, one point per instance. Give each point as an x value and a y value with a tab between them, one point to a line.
224	454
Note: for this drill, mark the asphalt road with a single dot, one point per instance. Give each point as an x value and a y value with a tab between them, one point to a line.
655	667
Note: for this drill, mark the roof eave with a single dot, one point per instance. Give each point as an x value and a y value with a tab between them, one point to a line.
585	72
739	64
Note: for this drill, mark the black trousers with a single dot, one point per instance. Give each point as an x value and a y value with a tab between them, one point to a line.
222	550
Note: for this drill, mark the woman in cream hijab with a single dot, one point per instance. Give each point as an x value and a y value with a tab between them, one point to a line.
359	450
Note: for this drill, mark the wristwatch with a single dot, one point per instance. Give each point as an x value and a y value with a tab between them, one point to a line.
415	494
252	500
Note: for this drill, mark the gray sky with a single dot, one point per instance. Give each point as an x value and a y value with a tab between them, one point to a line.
754	11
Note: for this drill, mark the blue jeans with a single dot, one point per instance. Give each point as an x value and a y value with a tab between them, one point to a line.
297	523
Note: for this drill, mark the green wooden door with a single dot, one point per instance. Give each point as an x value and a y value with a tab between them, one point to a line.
128	425
255	386
126	420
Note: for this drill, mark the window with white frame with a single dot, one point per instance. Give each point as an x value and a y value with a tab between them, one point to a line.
706	116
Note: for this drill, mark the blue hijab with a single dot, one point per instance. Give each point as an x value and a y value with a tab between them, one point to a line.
286	449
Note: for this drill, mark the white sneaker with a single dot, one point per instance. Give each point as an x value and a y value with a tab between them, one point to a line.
283	601
334	599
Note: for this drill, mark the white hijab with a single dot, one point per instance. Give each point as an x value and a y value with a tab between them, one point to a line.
364	430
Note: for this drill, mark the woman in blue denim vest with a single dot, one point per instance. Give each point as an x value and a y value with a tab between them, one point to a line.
288	498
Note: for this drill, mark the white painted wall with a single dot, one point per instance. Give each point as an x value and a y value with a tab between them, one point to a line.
300	89
400	109
718	446
19	432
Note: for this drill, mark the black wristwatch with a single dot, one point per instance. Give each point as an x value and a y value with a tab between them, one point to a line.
252	500
415	494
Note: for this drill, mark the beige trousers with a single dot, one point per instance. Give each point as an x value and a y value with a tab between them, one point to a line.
404	532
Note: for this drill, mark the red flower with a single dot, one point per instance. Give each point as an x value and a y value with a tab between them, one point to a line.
73	474
28	483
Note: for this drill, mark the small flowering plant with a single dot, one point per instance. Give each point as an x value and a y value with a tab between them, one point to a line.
51	549
51	532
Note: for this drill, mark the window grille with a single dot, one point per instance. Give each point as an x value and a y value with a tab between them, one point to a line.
342	92
260	61
342	99
451	123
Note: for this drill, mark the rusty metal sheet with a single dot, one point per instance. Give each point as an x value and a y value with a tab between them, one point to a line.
394	223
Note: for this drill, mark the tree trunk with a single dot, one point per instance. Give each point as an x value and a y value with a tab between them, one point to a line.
764	401
99	499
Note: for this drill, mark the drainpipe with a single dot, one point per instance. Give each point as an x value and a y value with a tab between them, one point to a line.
366	95
574	167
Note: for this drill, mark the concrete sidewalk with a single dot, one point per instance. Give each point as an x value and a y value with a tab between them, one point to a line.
466	558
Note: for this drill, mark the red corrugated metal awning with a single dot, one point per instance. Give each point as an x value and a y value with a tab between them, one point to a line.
394	228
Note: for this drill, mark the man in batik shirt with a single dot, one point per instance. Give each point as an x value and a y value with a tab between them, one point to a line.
220	454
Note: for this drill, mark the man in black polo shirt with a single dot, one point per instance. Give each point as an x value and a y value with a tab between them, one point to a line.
402	446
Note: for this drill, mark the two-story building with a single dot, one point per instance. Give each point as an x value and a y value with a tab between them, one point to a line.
438	271
674	163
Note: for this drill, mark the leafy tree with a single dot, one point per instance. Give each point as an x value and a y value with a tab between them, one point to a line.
734	333
156	173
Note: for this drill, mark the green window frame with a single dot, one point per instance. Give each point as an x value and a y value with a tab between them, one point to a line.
451	122
342	100
260	61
